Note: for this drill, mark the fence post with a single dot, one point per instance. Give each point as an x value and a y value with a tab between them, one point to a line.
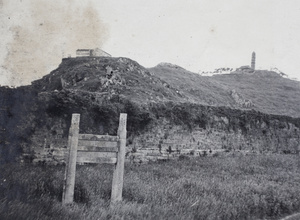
69	181
117	182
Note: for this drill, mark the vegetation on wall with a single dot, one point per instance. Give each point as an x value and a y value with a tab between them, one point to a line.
28	111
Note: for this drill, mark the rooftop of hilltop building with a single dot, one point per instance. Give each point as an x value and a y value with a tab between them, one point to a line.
97	52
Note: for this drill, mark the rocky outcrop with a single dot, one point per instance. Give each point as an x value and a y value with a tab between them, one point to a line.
243	103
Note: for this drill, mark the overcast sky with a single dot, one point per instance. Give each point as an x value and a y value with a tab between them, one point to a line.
195	34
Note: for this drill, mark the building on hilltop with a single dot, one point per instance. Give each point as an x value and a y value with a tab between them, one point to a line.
253	60
245	69
91	53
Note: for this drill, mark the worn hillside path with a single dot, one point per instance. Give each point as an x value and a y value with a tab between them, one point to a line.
292	217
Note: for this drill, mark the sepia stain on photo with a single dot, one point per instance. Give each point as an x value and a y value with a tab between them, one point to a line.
141	109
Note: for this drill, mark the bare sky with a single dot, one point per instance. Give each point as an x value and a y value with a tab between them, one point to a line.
195	34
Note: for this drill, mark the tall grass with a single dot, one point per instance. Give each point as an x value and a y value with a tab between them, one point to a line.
224	187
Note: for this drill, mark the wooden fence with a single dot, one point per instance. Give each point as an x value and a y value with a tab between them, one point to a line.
91	148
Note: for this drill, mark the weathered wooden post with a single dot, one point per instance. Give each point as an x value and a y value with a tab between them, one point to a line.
117	182
69	181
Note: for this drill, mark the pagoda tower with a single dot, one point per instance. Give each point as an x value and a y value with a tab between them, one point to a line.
253	60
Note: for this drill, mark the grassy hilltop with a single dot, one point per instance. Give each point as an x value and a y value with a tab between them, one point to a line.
269	91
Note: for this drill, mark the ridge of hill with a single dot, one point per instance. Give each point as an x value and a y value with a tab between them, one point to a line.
262	90
265	91
108	77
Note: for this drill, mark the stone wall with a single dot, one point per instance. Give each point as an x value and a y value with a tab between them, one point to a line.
163	140
37	125
49	143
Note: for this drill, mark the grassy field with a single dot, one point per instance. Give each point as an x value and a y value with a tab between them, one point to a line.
223	187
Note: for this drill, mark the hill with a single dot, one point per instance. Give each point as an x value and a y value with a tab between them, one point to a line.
268	91
170	110
264	91
108	77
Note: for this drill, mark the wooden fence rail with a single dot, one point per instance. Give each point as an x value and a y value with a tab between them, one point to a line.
92	148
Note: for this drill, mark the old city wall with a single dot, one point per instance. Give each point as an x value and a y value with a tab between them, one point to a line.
163	139
38	128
